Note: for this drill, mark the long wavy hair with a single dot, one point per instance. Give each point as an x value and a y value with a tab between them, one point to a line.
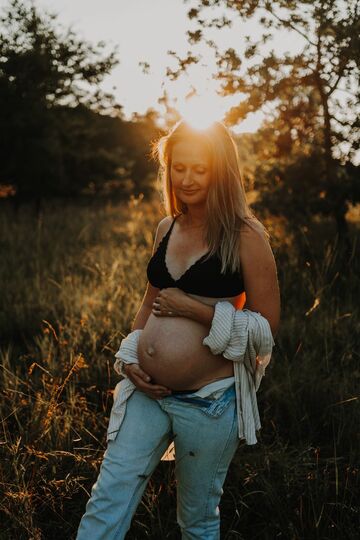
227	208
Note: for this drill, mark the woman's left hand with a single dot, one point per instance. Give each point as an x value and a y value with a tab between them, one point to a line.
170	302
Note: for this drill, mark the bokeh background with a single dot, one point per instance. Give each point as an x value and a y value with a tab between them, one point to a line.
85	87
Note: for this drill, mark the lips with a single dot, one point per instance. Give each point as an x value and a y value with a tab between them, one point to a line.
190	192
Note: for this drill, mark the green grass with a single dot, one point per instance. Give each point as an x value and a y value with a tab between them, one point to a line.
71	283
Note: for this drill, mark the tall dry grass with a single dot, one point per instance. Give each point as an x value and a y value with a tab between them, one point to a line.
71	283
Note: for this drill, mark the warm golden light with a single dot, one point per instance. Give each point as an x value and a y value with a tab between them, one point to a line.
200	111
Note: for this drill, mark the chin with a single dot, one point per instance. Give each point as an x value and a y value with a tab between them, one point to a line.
192	199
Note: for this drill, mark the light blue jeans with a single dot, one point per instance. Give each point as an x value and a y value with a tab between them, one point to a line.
205	436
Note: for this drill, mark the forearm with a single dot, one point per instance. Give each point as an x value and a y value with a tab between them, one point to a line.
141	317
198	311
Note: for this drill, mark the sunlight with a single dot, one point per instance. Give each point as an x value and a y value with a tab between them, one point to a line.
200	111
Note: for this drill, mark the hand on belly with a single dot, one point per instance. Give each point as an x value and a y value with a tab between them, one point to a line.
170	350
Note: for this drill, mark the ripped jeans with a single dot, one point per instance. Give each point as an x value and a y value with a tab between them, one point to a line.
205	436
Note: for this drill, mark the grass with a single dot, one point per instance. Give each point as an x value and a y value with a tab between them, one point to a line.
71	283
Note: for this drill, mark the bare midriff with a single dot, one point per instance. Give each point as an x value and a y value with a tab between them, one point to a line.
171	351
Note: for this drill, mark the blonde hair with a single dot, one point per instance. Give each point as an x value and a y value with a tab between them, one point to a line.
226	205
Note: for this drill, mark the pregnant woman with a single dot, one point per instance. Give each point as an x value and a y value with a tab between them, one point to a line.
209	248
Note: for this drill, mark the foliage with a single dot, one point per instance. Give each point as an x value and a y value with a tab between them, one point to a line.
63	313
61	134
310	97
41	72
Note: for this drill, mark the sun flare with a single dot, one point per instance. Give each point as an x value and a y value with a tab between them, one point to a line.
200	111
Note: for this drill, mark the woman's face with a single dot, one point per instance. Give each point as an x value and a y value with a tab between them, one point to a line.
190	172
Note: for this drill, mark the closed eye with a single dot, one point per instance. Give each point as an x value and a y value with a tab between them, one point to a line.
201	171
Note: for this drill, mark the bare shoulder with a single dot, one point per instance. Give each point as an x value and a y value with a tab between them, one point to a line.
162	228
165	223
255	245
252	230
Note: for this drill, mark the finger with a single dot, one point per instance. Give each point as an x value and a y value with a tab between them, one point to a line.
154	395
141	384
159	388
151	387
135	379
141	373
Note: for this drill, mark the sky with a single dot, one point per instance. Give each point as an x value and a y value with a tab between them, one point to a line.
144	31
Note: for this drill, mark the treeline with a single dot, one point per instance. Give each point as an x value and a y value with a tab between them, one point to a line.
61	135
58	137
307	151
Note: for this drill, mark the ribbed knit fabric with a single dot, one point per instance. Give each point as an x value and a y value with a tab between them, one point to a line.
127	354
243	336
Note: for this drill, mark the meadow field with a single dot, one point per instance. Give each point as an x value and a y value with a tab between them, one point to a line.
71	281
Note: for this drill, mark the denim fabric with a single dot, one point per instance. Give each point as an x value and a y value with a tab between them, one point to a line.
205	437
211	407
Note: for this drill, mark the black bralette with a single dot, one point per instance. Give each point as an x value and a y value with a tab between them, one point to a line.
202	277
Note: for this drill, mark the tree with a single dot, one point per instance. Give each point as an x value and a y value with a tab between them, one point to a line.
42	75
311	97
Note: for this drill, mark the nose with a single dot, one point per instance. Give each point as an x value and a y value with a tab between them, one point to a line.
187	179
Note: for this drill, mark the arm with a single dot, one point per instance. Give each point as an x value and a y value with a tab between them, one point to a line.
145	307
260	276
204	313
151	292
132	370
260	280
198	311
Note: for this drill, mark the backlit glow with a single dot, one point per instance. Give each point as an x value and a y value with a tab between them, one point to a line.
200	111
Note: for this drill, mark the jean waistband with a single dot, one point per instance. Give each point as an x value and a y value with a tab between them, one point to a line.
175	392
228	392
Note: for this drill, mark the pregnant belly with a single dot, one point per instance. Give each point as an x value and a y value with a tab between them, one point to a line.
170	350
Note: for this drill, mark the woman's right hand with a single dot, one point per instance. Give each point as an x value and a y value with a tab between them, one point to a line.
140	379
